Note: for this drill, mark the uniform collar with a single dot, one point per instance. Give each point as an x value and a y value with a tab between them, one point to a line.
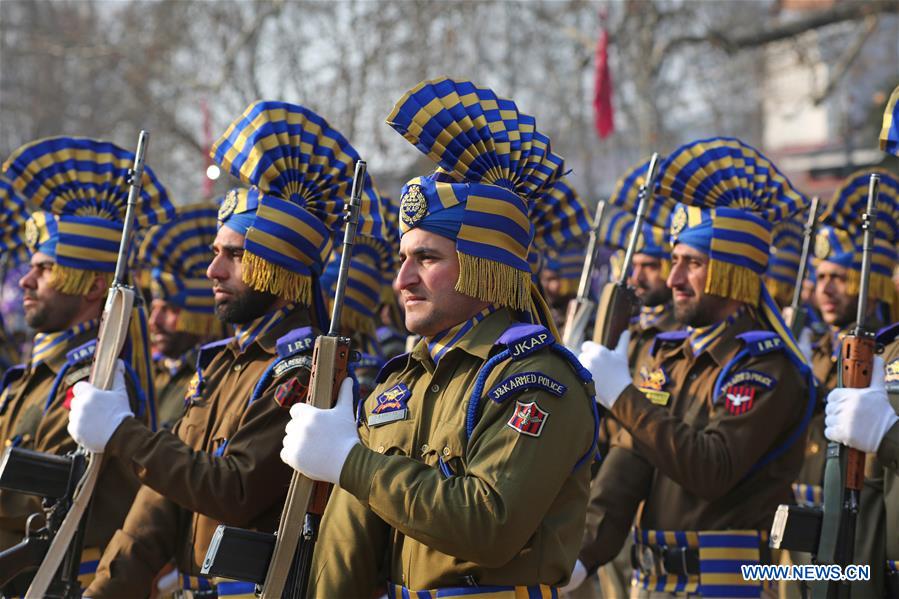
702	338
51	348
725	345
174	365
651	316
267	329
478	341
443	342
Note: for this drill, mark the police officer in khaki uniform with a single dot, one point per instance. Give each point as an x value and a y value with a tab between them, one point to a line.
182	314
713	437
468	474
81	187
220	462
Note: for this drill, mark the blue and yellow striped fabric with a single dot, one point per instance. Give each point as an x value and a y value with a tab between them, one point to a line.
559	217
567	262
49	345
495	164
889	134
442	342
843	242
615	232
809	495
701	338
303	171
13	215
626	196
783	261
730	195
663	582
542	591
81	187
177	254
245	334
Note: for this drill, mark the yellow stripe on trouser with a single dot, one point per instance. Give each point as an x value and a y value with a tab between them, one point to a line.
396	591
90	559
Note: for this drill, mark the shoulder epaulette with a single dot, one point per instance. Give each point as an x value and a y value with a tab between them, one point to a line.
888	334
523	339
760	343
369	361
81	353
391	365
295	342
667	338
207	352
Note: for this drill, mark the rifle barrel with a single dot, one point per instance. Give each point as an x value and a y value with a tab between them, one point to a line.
583	288
136	174
349	239
868	220
647	188
808	235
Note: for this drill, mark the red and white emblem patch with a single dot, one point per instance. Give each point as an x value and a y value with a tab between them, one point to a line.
528	419
738	398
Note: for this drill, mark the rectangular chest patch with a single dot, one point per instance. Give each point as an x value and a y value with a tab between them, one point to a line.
528	418
524	381
391	405
652	383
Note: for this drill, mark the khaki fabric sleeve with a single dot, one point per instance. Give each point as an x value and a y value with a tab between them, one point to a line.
486	513
233	488
623	482
888	452
710	461
139	549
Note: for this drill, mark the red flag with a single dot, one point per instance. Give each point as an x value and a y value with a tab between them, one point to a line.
602	92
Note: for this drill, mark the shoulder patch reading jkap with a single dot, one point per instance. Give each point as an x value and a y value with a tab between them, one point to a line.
524	339
754	377
391	405
528	419
525	381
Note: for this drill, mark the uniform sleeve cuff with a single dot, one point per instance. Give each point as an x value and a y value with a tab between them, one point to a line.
129	435
888	452
359	471
630	403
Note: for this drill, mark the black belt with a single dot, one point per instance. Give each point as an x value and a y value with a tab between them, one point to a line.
892	584
651	559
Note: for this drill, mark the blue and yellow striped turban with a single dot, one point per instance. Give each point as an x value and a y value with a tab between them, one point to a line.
13	214
81	187
494	165
560	222
841	239
784	258
729	196
177	254
301	173
615	233
889	134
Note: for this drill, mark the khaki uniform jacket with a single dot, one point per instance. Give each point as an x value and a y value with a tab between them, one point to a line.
171	387
509	509
220	465
23	416
692	460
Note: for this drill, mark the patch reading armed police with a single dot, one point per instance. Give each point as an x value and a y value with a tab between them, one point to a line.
525	381
291	364
528	419
391	406
754	377
652	383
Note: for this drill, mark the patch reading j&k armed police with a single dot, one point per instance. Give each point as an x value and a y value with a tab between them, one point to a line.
652	383
391	406
744	377
528	419
525	381
738	399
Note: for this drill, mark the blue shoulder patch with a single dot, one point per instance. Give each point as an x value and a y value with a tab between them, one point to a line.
668	338
296	341
888	334
81	353
524	339
207	352
391	365
525	381
760	343
369	361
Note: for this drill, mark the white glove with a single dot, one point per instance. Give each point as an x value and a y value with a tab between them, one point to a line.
805	344
578	576
318	441
608	367
860	418
96	414
169	582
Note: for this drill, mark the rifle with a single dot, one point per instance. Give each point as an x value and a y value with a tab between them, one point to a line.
281	563
617	302
580	308
797	314
110	341
829	532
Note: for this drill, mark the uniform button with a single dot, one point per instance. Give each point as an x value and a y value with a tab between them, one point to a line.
813	447
237	367
435	388
692	376
425	449
380	449
446	451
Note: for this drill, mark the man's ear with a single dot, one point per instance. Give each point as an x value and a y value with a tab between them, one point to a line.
98	289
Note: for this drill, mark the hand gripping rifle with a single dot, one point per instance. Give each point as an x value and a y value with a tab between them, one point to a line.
281	563
829	532
617	303
797	311
581	307
110	341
